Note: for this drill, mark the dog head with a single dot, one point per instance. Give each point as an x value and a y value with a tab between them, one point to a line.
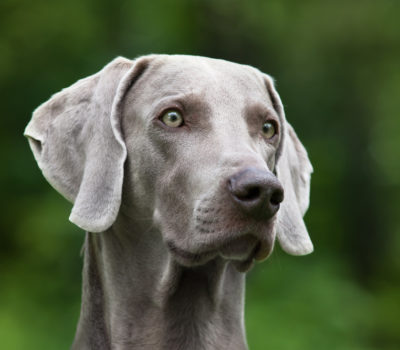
199	145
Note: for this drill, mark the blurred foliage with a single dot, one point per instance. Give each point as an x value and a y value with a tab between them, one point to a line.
337	70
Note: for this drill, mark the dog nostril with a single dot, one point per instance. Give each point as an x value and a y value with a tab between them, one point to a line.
277	197
249	193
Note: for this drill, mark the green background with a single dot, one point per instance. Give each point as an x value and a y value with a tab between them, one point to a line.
337	66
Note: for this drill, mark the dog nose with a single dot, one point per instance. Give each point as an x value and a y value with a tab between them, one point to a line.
256	192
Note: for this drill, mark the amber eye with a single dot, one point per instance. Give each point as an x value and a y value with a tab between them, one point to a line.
172	118
268	130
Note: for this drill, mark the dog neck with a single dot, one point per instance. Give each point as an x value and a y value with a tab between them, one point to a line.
136	296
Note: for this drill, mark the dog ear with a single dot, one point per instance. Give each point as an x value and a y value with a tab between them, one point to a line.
77	142
293	169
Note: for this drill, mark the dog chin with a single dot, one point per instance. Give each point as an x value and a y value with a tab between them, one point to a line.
189	259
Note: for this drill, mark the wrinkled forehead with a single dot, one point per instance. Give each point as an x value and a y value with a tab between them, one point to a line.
216	80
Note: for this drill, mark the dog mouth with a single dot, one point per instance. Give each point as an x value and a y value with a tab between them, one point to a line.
247	250
243	252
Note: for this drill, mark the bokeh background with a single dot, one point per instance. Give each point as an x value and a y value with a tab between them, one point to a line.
337	66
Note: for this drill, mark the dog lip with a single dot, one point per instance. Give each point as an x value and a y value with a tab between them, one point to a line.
260	252
263	250
239	248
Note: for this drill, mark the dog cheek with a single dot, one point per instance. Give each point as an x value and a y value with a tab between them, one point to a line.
172	207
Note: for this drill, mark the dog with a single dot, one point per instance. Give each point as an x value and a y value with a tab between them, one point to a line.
183	170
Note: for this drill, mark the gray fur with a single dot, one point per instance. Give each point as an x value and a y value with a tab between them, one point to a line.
166	271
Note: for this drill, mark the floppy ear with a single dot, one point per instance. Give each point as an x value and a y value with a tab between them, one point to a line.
294	170
77	141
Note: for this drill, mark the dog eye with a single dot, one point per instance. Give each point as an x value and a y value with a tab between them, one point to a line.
172	118
268	130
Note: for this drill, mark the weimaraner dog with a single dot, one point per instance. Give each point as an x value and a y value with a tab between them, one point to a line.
182	170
